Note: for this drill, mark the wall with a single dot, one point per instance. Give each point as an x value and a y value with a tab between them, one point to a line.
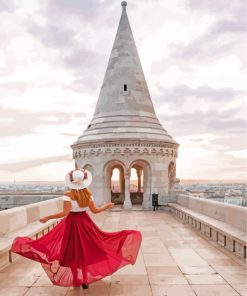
16	218
227	213
9	201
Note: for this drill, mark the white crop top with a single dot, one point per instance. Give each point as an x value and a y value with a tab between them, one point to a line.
74	204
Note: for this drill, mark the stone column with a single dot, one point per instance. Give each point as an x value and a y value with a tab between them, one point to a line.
139	173
127	201
146	204
111	173
121	180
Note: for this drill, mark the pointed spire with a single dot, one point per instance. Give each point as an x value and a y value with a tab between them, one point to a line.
124	110
124	86
124	4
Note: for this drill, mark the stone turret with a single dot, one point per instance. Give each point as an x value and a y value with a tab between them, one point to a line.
125	132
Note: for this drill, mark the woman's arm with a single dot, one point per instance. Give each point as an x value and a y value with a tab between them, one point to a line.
94	209
65	212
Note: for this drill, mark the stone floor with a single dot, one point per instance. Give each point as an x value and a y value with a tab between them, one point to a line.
175	260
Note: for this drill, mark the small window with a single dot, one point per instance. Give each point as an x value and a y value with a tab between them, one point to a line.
125	87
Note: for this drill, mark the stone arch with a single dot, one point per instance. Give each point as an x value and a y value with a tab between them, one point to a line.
89	167
107	173
146	168
171	175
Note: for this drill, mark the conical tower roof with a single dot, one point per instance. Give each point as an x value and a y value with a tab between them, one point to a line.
124	110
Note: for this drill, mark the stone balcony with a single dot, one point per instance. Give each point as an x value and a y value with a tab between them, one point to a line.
176	257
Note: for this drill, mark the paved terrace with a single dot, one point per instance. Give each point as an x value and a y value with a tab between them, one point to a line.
175	259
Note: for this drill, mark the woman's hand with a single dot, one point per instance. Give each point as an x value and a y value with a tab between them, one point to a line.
109	205
44	219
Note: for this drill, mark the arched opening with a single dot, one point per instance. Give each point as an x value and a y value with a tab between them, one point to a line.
114	181
117	185
140	192
171	175
136	185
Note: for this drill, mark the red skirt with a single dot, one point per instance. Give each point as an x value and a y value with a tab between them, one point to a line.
77	251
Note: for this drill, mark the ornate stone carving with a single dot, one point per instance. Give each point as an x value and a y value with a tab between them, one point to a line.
124	149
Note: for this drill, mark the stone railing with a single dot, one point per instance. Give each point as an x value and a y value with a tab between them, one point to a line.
24	221
9	201
224	223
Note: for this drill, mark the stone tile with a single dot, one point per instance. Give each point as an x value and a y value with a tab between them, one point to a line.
95	290
153	245
230	269
202	279
163	270
124	279
132	269
25	261
197	270
105	281
241	289
234	278
158	260
221	262
213	290
145	228
33	269
211	253
172	290
166	279
43	281
149	233
132	290
47	291
187	257
14	291
13	280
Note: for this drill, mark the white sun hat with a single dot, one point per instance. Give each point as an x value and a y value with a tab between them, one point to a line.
78	179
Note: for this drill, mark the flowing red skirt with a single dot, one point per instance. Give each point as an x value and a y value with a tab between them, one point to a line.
77	251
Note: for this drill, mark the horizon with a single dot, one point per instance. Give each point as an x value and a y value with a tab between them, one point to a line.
51	75
181	181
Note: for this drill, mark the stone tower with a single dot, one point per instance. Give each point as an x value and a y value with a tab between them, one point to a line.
125	132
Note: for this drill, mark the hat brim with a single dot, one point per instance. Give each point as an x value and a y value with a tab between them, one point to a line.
85	183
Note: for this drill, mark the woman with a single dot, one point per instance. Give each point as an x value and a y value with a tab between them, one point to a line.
76	252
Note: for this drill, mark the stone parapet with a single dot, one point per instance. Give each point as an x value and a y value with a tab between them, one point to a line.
233	215
24	221
8	201
223	223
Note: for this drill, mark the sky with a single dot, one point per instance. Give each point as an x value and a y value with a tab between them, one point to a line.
53	57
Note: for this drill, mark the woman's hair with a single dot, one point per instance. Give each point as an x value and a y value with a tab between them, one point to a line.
82	196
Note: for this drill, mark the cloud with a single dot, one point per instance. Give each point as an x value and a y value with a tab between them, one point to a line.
202	122
84	61
217	6
236	142
13	88
176	95
213	42
182	99
52	35
86	9
16	122
7	5
223	165
22	165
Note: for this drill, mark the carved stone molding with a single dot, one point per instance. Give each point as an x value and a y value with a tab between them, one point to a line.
165	150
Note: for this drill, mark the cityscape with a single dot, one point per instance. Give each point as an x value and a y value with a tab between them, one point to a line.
13	194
